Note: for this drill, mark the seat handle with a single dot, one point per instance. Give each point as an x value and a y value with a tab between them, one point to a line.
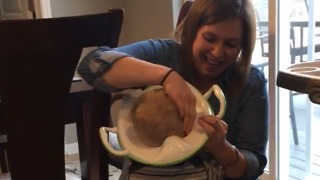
103	131
222	100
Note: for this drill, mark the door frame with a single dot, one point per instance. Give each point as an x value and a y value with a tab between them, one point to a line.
42	8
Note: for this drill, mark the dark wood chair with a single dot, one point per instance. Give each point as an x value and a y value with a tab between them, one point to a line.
183	11
38	59
3	147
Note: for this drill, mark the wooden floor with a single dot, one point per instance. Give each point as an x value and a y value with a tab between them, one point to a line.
297	169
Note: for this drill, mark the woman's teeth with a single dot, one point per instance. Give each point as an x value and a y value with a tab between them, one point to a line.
213	62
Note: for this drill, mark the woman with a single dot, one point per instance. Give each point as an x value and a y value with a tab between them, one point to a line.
216	41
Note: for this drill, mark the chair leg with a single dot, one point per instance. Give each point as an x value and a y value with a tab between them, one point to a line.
293	120
98	156
79	109
82	143
3	162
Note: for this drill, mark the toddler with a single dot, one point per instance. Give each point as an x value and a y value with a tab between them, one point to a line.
155	117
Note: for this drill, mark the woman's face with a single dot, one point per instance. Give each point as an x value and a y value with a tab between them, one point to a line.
216	47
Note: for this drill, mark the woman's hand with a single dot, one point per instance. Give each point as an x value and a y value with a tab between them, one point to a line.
232	160
216	130
179	91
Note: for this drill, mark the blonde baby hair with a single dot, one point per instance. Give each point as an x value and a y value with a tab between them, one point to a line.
155	117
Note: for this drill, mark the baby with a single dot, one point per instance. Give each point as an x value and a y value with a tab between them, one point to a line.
155	117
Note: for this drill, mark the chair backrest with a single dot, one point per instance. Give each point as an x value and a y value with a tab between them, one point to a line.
184	11
262	13
299	40
38	59
262	36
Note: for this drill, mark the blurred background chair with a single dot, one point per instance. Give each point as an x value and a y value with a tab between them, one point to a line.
298	52
38	59
262	37
262	29
299	39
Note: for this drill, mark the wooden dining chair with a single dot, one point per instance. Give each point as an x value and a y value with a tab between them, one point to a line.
3	147
38	59
184	11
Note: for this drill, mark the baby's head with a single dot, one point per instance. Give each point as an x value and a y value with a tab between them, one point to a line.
155	117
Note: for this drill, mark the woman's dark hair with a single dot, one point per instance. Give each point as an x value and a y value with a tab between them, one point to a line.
206	12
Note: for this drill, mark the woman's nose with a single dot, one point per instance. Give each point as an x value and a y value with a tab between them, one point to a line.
217	50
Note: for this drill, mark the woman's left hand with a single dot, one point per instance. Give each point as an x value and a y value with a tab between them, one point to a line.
216	130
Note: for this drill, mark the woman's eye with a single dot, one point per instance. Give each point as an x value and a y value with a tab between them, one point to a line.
209	38
232	44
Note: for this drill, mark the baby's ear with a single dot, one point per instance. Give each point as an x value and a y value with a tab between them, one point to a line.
185	134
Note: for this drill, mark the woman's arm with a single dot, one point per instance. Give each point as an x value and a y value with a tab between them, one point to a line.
134	65
137	65
251	124
128	72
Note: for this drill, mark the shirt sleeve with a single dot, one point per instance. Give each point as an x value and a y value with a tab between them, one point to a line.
100	60
251	124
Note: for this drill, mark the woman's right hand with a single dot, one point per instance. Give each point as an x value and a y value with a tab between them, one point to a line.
179	91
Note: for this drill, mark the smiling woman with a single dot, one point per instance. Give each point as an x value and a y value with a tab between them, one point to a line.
209	52
216	48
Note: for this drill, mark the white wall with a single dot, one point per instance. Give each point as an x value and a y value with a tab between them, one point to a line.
62	8
143	19
146	19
